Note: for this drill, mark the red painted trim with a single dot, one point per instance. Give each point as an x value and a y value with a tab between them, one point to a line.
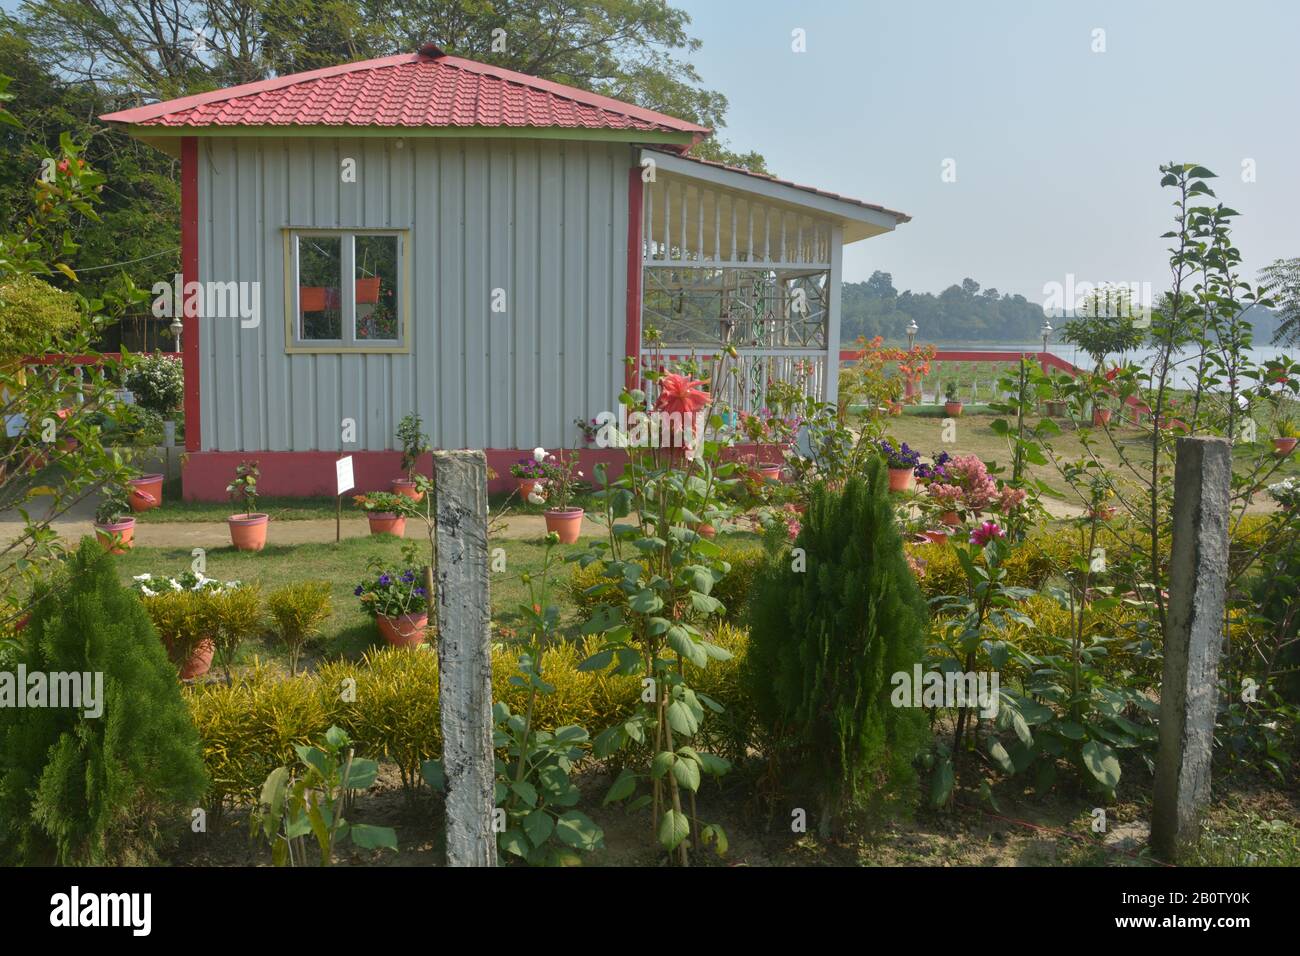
190	273
632	343
304	474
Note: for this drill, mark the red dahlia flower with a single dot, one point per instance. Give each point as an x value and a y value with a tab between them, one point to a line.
680	394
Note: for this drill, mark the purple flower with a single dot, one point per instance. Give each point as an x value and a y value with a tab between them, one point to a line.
359	590
385	580
408	577
418	592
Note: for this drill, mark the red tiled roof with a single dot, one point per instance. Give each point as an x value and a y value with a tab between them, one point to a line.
408	90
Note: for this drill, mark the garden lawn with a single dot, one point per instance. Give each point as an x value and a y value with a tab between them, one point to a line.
350	632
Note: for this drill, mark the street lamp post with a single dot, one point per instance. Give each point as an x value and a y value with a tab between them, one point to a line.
910	384
1046	332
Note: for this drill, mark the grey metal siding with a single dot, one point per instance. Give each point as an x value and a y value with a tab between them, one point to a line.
544	220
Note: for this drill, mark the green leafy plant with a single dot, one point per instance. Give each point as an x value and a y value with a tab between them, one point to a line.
533	788
385	502
232	615
79	787
387	592
311	799
243	489
114	506
410	432
297	612
830	624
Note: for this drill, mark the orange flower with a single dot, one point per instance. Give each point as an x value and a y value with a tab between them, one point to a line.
680	394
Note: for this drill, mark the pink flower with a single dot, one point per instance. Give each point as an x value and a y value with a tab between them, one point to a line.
986	533
1009	499
677	393
792	528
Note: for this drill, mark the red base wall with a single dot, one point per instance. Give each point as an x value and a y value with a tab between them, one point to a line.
304	474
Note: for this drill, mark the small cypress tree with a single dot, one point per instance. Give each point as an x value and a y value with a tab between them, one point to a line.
826	636
84	789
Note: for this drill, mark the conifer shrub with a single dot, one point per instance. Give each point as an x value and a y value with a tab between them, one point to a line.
829	626
76	788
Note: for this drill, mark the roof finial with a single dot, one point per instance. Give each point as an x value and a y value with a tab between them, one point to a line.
432	51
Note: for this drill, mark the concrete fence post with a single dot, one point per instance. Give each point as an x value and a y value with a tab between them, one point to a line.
1198	576
464	655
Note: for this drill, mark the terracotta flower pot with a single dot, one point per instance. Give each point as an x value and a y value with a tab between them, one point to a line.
895	408
769	472
952	409
248	532
950	518
404	486
1054	409
900	479
1100	416
116	538
383	522
526	487
1284	446
935	537
199	661
565	523
405	630
146	492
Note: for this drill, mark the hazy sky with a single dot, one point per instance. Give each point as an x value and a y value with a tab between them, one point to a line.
1055	146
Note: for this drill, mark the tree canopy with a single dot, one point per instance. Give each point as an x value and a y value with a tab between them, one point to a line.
962	313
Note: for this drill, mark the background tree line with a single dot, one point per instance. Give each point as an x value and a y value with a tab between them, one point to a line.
72	60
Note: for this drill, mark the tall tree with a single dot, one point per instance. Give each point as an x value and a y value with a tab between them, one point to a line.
1283	281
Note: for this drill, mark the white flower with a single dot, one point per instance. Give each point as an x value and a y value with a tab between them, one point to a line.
536	499
539	454
176	585
142	577
144	589
579	474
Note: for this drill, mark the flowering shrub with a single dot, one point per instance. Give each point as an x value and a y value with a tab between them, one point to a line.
561	476
589	429
968	487
935	471
389	593
158	383
1286	493
898	456
151	585
384	502
528	469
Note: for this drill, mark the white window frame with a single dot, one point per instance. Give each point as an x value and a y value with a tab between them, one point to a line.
294	342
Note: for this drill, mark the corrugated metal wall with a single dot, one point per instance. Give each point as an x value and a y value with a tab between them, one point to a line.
546	221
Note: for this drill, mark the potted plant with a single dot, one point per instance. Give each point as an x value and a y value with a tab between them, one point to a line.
1287	436
1100	416
114	525
589	430
397	601
530	473
1055	408
386	511
560	476
410	432
901	461
181	616
248	528
951	403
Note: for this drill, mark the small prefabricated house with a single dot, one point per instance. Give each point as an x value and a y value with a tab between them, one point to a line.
487	249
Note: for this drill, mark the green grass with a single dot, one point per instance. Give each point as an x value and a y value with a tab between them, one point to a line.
280	509
1237	837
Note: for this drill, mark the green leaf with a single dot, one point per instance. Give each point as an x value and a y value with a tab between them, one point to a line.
361	774
373	838
661	763
645	601
681	719
1101	763
623	787
941	783
515	842
683	644
1000	756
578	830
597	662
525	791
433	774
673	829
539	826
687	773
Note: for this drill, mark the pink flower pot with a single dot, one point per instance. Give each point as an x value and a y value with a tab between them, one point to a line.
382	522
935	537
404	486
950	518
116	538
146	492
901	479
565	523
405	630
1284	446
769	472
1100	417
952	409
706	530
248	532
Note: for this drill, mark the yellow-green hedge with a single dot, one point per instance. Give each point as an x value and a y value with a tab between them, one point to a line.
249	728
